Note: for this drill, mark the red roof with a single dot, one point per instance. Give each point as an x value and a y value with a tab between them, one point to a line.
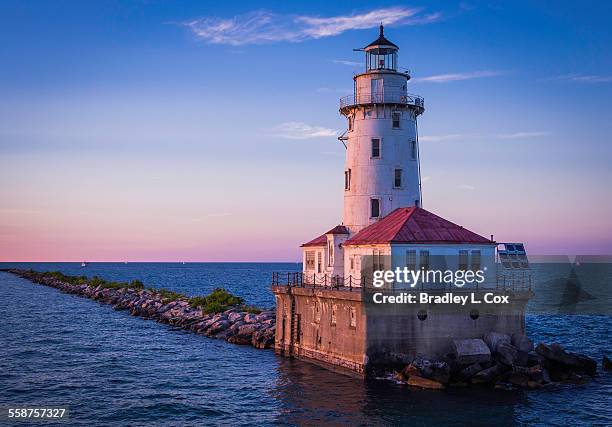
415	225
322	239
317	241
338	229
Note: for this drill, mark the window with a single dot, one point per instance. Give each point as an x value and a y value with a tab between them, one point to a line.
374	208
317	312
424	260
347	179
413	150
330	247
411	260
417	203
375	148
350	123
310	260
353	314
475	261
319	262
463	260
377	260
395	117
397	179
352	263
333	314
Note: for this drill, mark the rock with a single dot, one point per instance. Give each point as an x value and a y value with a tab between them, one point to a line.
241	339
518	379
421	382
522	343
493	339
579	362
606	364
500	385
522	358
470	371
506	353
488	375
471	351
533	384
217	327
436	370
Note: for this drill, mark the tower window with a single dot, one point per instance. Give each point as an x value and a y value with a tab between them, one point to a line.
350	123
374	208
417	203
330	253
413	150
397	179
347	179
375	148
396	120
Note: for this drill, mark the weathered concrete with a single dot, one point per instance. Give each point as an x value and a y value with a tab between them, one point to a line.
345	329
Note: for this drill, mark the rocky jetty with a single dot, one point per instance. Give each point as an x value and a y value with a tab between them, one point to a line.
219	315
500	361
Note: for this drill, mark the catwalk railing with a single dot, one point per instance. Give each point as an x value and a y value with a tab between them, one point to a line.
383	98
515	281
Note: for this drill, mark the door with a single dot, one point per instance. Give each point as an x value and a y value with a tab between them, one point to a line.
377	90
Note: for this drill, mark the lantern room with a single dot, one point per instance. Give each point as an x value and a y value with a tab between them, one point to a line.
381	54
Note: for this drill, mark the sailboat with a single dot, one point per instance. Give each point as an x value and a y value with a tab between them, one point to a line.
83	264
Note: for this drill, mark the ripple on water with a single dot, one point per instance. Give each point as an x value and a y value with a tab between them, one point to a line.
118	369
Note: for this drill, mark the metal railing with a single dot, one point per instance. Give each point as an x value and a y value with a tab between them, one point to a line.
383	98
503	282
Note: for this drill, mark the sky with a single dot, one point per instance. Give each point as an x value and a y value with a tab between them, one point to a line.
206	131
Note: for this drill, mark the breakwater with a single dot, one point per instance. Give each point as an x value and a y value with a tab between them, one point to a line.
219	315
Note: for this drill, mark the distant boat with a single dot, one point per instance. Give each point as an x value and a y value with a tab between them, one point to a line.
125	262
83	264
184	263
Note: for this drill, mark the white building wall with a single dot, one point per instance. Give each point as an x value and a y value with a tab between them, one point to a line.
374	177
397	253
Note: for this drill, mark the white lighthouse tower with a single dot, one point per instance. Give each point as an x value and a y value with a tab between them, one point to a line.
382	171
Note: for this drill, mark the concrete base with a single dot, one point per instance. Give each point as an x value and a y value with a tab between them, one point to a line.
346	330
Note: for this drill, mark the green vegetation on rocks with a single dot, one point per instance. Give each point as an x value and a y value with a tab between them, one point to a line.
217	301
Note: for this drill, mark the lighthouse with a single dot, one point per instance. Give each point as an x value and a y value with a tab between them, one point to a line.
326	313
382	171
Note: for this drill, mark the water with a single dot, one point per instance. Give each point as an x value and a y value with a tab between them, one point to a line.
111	368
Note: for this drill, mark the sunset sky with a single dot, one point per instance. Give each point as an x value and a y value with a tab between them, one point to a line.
206	131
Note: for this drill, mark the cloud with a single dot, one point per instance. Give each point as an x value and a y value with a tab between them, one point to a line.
299	130
454	136
259	27
467	187
343	62
517	135
455	77
586	78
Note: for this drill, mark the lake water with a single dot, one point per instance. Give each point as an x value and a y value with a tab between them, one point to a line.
111	368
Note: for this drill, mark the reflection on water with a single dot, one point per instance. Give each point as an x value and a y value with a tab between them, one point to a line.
310	394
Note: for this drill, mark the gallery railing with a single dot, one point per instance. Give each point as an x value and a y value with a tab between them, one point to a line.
515	281
383	98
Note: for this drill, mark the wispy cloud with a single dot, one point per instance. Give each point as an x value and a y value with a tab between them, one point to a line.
299	130
586	78
343	62
467	187
455	136
518	135
455	77
261	26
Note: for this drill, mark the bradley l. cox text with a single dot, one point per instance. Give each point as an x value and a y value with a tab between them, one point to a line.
445	298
